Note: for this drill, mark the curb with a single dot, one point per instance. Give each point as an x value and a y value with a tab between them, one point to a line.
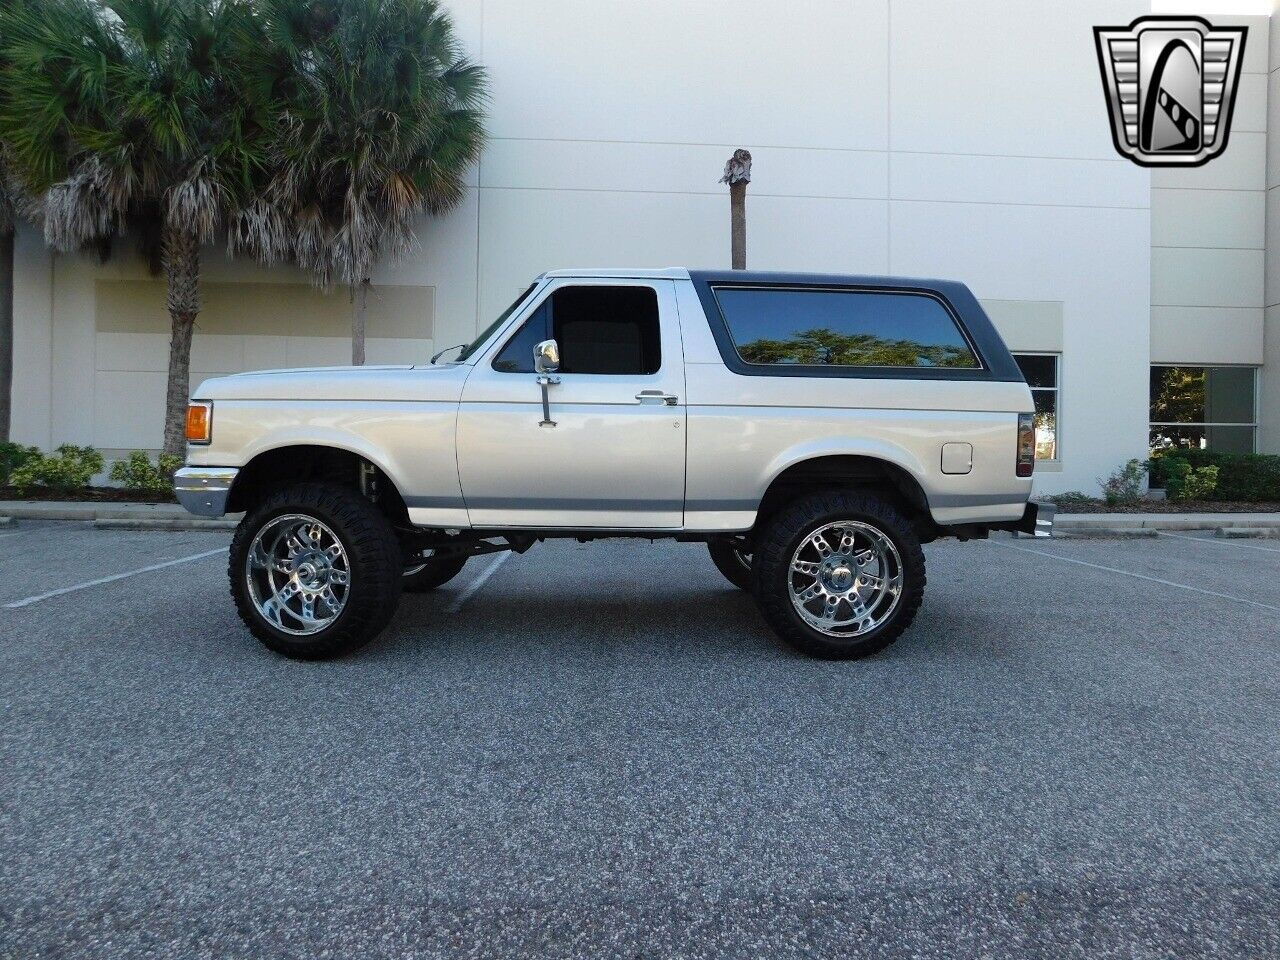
164	523
118	516
1113	524
1108	533
171	516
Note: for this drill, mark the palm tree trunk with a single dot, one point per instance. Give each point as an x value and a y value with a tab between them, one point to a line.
737	174
181	252
6	333
360	298
738	224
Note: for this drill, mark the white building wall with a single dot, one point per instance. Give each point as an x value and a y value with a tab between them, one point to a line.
908	137
1208	235
1269	392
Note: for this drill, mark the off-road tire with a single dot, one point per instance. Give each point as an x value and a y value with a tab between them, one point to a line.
435	572
783	534
730	562
373	552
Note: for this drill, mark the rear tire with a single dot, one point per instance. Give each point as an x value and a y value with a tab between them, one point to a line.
839	575
431	573
734	564
315	571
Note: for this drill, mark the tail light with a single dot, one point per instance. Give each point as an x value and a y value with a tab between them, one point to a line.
1026	463
199	421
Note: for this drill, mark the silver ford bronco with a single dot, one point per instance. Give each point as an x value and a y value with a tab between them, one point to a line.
812	430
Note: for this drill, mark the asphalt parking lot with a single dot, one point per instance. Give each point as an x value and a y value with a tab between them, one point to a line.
600	751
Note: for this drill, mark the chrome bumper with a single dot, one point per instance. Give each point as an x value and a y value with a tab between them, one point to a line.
203	490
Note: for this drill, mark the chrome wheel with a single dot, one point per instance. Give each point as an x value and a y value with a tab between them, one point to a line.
845	578
298	574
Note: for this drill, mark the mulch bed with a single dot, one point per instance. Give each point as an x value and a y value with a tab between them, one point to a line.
88	495
1168	506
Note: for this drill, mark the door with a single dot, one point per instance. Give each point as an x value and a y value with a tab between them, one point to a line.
611	452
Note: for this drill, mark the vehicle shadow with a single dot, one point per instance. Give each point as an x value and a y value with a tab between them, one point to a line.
586	622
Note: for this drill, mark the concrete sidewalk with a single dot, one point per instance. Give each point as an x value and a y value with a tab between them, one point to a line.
170	516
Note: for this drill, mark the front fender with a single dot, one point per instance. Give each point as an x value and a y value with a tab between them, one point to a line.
411	442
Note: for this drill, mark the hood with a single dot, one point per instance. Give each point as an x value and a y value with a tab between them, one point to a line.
391	382
326	370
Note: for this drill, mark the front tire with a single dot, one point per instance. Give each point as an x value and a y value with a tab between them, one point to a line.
839	575
315	571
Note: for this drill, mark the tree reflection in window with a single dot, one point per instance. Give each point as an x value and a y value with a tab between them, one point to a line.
842	328
820	347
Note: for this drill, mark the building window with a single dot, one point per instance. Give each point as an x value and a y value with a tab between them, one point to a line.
1040	370
1204	408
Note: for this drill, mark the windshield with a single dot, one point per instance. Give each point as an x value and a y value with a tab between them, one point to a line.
488	332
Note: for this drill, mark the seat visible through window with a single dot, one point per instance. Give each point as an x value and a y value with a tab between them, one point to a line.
599	329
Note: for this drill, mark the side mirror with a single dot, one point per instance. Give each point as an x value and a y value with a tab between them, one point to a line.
546	357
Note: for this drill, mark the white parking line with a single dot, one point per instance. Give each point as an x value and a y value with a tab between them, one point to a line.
1138	576
478	582
27	601
1217	542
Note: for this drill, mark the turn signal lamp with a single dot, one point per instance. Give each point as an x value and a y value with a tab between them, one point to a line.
199	421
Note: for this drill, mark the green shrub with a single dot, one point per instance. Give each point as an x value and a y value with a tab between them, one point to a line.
137	472
1248	477
1125	485
71	469
1185	482
12	456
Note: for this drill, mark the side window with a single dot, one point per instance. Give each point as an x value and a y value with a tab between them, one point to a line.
606	330
847	328
517	355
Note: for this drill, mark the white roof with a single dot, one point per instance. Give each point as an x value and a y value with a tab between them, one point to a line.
636	273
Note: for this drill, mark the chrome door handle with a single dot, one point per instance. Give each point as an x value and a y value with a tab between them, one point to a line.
657	396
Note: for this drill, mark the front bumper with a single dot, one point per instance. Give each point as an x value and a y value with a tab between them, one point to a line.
1037	521
204	490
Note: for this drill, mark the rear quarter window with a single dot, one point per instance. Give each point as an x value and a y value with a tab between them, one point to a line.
843	328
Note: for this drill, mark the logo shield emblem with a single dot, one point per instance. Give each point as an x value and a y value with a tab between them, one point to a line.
1170	84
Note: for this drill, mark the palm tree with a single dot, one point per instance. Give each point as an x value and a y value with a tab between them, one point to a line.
7	227
382	116
6	312
135	117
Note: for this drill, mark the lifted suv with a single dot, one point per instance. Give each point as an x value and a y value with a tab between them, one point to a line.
814	431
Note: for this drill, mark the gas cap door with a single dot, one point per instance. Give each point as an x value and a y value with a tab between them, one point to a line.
957	457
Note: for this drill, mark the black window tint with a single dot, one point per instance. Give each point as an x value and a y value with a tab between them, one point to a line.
517	355
1038	370
608	330
842	328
